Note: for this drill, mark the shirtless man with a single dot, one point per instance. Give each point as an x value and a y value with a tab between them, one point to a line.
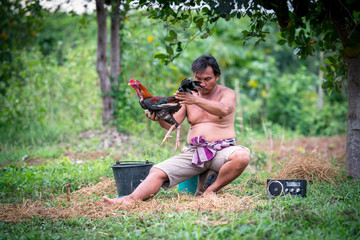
211	115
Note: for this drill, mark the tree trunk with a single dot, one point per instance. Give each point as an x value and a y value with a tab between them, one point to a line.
353	123
101	64
115	55
115	43
353	88
320	100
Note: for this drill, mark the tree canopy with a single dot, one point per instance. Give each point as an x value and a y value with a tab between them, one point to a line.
330	26
327	26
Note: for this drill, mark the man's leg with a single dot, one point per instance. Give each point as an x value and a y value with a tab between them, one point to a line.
148	188
233	168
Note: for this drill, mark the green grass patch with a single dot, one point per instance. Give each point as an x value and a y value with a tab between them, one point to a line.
44	181
329	212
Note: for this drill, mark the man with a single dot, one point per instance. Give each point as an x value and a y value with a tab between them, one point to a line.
211	115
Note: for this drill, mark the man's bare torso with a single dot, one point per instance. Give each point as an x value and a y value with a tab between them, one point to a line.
207	125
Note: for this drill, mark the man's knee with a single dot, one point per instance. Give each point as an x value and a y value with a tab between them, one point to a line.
240	158
158	173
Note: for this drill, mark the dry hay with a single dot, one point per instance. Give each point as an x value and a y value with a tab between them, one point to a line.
311	167
81	205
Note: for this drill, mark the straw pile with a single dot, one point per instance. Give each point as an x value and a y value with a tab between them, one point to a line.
311	167
83	204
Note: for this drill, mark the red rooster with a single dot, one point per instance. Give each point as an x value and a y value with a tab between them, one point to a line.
163	107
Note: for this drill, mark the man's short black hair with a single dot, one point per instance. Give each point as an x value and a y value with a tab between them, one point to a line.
200	64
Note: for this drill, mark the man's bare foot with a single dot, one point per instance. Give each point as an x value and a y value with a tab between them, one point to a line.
124	200
209	192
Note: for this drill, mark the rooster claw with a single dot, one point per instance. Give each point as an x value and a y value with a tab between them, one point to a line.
177	145
167	136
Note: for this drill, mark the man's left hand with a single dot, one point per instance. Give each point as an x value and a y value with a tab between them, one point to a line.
186	98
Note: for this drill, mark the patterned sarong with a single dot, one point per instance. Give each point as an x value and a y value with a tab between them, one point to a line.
205	151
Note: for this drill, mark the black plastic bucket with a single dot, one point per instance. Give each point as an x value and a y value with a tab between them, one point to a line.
129	174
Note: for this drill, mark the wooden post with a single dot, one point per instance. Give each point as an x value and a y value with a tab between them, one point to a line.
68	186
238	104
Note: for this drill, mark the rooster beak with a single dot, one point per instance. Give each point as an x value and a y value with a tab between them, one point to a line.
198	84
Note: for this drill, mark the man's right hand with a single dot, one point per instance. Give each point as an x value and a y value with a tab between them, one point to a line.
151	116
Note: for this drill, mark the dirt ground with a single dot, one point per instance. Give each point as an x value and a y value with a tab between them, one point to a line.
332	148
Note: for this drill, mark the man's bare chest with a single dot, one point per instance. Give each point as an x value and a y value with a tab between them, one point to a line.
197	115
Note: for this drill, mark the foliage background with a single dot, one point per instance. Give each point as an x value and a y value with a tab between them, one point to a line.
56	93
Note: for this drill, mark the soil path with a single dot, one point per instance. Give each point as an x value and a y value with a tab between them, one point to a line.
333	148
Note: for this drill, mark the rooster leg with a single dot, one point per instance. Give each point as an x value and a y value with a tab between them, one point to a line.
167	134
177	137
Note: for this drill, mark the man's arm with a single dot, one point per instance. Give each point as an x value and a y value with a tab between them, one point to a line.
179	117
221	108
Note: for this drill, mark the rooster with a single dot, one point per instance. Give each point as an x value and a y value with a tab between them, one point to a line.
164	107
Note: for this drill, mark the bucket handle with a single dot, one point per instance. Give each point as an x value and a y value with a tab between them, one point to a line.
125	162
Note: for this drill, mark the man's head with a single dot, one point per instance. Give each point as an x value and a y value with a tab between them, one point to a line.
200	65
206	70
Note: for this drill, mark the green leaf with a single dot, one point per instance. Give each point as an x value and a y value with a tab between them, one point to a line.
281	42
160	55
199	22
173	34
179	49
204	36
167	39
205	10
169	50
228	17
332	60
280	35
349	178
327	60
326	84
185	16
83	21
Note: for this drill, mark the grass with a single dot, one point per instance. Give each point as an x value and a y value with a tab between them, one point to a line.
47	180
17	145
330	211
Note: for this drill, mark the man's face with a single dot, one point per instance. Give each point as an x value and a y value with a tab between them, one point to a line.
208	80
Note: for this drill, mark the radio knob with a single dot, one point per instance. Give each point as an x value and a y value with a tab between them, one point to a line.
297	190
292	190
286	190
